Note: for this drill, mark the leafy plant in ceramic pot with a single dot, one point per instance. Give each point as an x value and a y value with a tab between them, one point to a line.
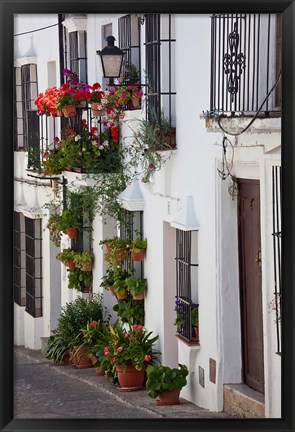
80	280
136	287
67	257
70	223
138	247
164	381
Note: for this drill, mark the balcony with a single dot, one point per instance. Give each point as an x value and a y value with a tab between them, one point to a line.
245	65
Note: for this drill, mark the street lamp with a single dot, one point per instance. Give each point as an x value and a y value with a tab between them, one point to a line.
111	59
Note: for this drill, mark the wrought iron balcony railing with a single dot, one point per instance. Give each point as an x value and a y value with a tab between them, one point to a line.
245	63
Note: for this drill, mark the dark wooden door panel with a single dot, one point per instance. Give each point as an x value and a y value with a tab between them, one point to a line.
250	283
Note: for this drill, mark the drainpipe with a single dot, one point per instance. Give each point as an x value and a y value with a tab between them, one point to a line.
61	46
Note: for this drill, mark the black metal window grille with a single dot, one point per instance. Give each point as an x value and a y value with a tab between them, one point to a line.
160	79
33	235
243	63
18	138
30	118
184	269
277	234
129	42
75	52
19	267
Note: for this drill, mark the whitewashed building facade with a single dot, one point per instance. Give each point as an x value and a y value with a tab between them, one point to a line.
211	215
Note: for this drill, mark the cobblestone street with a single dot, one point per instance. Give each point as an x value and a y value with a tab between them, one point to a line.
46	390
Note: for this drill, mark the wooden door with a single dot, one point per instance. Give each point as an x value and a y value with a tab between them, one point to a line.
250	283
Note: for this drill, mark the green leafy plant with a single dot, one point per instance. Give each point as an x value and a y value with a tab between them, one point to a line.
75	315
163	378
135	284
79	279
57	349
138	244
66	255
118	251
195	314
69	219
54	229
130	311
108	279
120	277
83	260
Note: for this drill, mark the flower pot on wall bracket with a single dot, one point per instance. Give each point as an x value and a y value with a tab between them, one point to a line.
70	264
95	110
59	113
139	296
72	233
138	256
121	296
196	332
87	268
69	111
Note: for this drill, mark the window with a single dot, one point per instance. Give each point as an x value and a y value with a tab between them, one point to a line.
75	48
186	284
129	42
33	243
160	74
26	126
276	300
19	270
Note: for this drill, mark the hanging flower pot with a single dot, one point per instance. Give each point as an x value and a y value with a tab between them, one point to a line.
169	398
139	296
138	256
196	332
70	264
95	110
121	296
69	111
86	290
59	113
87	267
130	378
108	248
72	232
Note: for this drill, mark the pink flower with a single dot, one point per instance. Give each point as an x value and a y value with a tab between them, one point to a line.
147	358
135	327
113	360
55	139
126	335
151	166
120	349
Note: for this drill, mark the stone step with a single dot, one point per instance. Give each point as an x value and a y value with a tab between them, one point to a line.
241	401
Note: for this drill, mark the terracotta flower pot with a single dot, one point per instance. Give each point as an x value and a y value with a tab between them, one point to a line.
112	289
130	378
139	296
95	111
69	111
59	113
82	360
86	290
88	268
70	264
196	332
98	371
138	256
72	232
135	102
121	296
169	398
108	248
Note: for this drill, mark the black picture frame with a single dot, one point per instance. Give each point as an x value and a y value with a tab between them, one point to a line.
7	10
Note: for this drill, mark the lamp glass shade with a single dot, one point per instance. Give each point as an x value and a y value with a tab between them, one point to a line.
111	64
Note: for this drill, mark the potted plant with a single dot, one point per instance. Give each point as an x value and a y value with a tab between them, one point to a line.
74	316
84	260
80	280
118	251
166	383
131	350
54	230
136	287
138	247
130	312
195	320
179	320
108	280
120	285
96	96
70	223
67	257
